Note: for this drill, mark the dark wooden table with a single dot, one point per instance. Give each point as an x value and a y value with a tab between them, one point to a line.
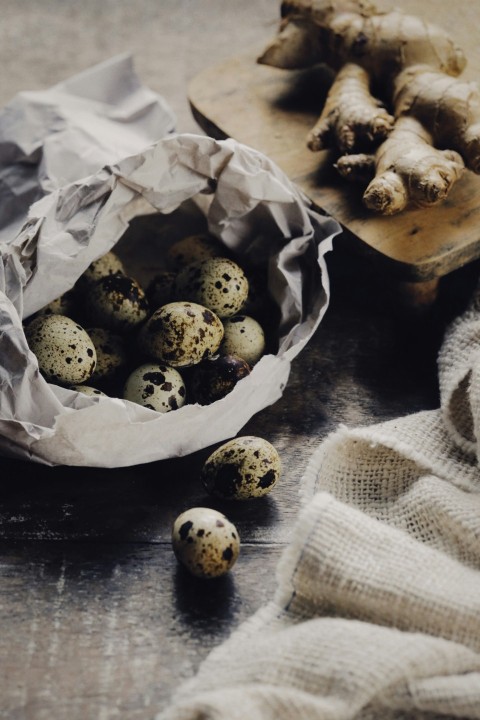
97	620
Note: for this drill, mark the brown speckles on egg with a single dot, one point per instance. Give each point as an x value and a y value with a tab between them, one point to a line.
63	305
160	290
117	302
108	264
218	283
155	386
216	377
111	353
205	542
242	468
181	334
64	350
88	390
194	248
243	336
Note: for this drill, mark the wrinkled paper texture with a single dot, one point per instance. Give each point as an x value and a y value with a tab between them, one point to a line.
252	207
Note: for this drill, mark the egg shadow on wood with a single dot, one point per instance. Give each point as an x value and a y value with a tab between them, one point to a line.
202	602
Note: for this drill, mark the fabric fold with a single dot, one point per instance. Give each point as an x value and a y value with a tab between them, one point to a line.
376	615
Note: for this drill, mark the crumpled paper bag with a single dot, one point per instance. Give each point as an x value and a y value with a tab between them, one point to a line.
252	207
49	138
377	610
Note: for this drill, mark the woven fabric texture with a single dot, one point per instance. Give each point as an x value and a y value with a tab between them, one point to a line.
377	610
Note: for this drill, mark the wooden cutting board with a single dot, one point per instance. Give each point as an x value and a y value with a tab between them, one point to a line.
272	110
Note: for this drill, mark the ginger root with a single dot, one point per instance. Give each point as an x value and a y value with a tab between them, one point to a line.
396	89
351	116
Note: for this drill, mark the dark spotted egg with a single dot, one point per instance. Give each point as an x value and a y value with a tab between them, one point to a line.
117	302
63	305
181	334
205	542
156	386
64	350
194	248
88	390
218	283
216	377
242	468
111	353
108	264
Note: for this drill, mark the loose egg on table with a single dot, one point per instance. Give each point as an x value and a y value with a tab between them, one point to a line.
243	468
218	283
181	334
156	386
205	542
64	350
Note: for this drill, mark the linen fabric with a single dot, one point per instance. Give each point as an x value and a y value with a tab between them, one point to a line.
377	609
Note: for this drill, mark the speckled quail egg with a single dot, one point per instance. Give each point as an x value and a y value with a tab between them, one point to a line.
117	302
181	334
87	390
194	248
205	542
216	377
243	336
156	386
108	264
111	353
64	350
160	289
218	283
242	468
63	305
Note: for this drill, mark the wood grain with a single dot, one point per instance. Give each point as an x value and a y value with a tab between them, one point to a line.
272	111
98	622
97	619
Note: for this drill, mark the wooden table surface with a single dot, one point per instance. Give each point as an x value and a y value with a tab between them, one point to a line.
97	619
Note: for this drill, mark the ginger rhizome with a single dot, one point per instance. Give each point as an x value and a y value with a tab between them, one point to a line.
397	114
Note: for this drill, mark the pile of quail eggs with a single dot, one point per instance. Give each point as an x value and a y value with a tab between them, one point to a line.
189	336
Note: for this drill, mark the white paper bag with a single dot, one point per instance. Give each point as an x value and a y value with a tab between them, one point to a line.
252	207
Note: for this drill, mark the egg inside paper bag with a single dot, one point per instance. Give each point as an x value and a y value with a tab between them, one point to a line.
183	185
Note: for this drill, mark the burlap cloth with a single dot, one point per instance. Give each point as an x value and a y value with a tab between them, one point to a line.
377	609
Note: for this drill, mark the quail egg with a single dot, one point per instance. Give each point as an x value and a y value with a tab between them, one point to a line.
108	264
216	377
218	283
243	336
64	350
160	290
205	542
111	353
63	305
194	248
87	390
242	468
117	302
156	386
181	334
